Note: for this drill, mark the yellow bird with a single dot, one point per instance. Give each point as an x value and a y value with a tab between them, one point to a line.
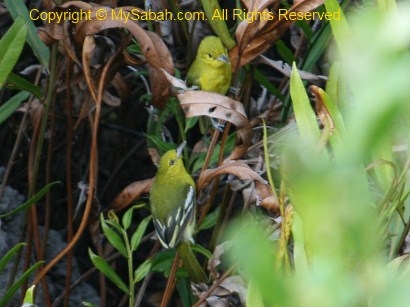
211	69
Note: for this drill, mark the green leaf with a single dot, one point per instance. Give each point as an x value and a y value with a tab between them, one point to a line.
14	82
107	270
87	304
217	24
284	51
200	249
160	144
142	270
162	261
340	28
17	8
13	289
304	115
113	237
185	292
127	218
32	200
263	80
29	296
137	236
190	122
11	105
6	258
11	45
210	220
320	42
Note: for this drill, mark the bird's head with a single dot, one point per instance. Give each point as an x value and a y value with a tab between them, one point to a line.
171	163
213	52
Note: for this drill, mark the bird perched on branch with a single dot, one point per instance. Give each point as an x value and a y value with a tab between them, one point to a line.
211	69
172	200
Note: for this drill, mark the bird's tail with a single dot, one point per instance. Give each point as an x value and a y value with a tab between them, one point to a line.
191	264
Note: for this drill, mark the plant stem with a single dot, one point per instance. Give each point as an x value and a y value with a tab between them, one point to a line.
130	269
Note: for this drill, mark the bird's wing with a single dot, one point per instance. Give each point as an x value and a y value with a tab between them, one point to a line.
171	230
192	77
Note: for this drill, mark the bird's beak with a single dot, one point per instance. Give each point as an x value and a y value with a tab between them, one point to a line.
223	58
180	149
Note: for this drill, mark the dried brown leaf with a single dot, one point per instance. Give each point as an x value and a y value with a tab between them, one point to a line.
215	260
236	168
154	49
252	42
286	70
130	193
266	197
201	103
321	110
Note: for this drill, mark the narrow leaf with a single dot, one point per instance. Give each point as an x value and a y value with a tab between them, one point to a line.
136	237
11	105
210	220
13	289
304	115
340	28
199	249
113	237
142	270
15	82
32	200
9	255
107	270
11	45
127	218
17	8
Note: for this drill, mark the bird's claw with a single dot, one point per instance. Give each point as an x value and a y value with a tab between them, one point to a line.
233	90
194	88
217	125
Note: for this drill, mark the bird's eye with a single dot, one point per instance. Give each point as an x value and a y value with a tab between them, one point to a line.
209	55
171	162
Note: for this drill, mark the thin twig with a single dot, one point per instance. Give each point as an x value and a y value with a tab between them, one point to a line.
214	286
171	282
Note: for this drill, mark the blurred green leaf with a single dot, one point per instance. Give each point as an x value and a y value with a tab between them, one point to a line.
137	236
11	45
18	9
32	200
256	257
107	270
340	28
11	105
